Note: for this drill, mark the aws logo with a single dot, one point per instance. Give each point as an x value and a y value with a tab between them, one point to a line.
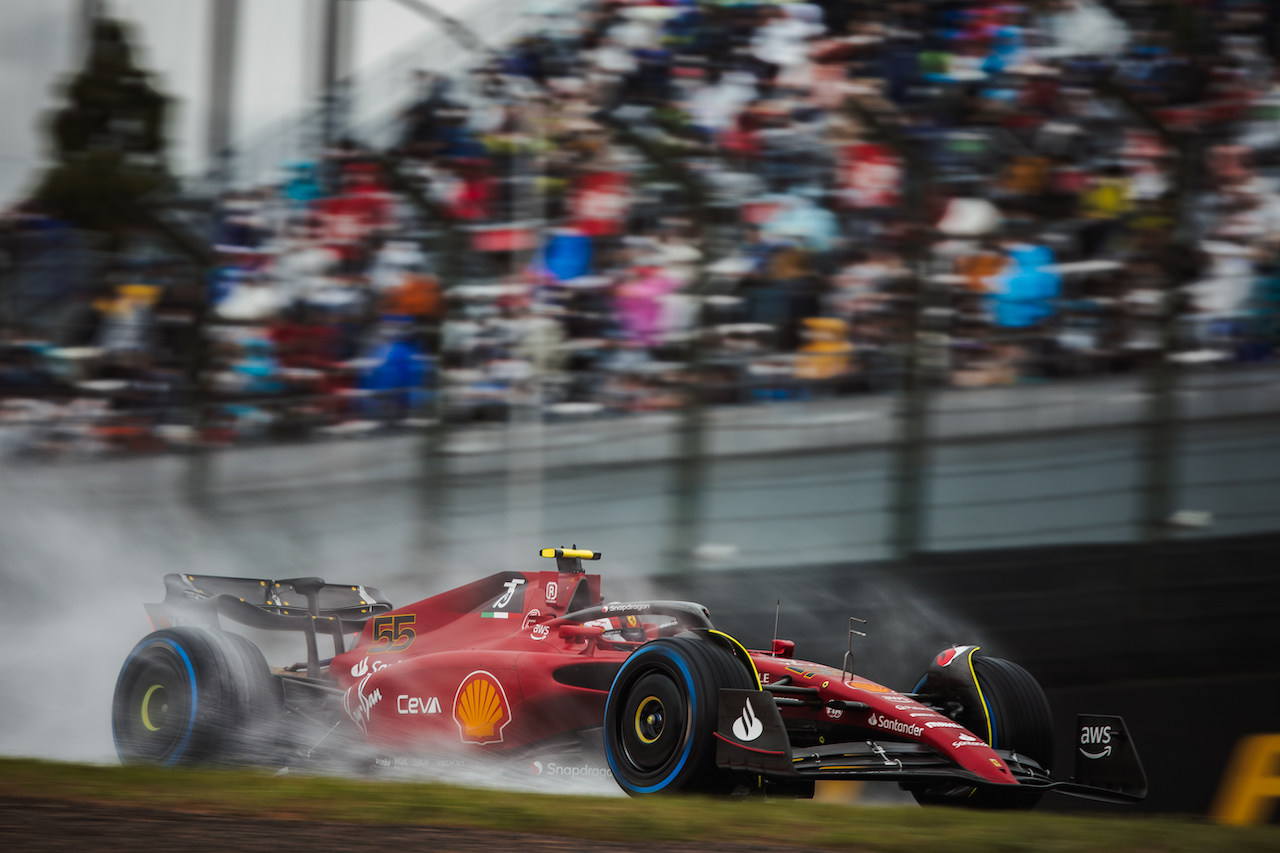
480	708
1097	736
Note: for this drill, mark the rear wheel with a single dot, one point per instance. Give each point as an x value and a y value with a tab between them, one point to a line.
1020	720
188	695
661	716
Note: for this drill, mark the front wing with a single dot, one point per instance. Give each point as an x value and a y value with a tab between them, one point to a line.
761	746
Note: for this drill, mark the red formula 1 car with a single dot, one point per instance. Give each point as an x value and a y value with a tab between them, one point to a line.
529	665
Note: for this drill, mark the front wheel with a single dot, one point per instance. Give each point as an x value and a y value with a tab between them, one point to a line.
661	716
1017	717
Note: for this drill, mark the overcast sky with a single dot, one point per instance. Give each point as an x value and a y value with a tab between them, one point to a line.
277	58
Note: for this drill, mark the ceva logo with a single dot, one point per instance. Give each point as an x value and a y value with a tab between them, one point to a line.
747	727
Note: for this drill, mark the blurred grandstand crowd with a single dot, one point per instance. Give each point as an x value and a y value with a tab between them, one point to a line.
759	201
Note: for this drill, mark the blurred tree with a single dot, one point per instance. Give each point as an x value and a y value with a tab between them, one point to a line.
109	140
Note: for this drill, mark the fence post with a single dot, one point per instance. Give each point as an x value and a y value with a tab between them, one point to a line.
690	463
197	250
1159	430
434	467
910	451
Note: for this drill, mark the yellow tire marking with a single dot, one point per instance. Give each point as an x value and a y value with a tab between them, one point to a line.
639	710
986	709
146	700
754	672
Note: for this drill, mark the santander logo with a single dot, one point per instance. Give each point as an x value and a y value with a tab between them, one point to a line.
747	727
880	721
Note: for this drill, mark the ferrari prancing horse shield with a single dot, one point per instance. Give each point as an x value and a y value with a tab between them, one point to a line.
481	709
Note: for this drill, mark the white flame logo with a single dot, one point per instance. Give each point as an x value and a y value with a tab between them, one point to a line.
360	669
747	727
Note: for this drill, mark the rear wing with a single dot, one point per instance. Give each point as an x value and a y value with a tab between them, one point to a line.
296	604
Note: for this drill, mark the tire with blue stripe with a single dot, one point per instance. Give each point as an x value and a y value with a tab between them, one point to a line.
187	695
1020	720
661	715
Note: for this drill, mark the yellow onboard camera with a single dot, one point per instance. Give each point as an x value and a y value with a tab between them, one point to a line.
570	559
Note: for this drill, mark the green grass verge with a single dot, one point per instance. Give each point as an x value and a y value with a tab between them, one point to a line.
683	819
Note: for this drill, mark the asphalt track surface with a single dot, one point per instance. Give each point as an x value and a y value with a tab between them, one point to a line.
44	826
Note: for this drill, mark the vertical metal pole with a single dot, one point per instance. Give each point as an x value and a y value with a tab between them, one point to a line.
690	461
910	451
329	71
690	465
198	473
1160	433
201	256
435	461
337	57
1158	437
90	11
224	16
449	245
526	461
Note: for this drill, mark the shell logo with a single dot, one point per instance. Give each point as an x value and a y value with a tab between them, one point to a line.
951	654
869	686
481	709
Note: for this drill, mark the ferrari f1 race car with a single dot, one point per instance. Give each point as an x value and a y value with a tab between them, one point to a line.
526	666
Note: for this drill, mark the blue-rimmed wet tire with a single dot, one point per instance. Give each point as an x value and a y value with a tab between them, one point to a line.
187	695
660	718
1020	720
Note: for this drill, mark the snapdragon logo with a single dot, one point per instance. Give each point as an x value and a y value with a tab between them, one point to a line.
581	771
889	724
620	608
